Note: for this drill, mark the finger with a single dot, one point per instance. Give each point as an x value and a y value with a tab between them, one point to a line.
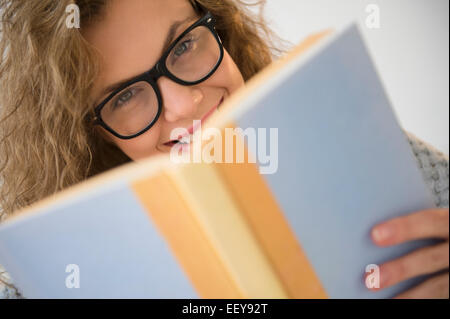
420	262
431	223
433	288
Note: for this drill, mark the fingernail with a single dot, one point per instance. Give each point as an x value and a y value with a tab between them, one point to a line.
381	233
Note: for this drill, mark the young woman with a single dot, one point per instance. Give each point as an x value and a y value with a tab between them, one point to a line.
65	91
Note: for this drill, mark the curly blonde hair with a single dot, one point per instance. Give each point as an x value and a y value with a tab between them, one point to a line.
46	71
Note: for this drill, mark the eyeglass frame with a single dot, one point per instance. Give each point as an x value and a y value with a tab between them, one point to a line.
160	69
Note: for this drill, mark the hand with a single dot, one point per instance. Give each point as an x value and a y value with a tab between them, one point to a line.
431	223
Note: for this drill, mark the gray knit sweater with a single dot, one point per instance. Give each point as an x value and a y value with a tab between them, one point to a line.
432	163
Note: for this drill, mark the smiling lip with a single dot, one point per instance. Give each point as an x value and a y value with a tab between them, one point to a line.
192	129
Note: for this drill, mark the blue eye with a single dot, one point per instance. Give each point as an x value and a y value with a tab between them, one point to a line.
124	97
182	47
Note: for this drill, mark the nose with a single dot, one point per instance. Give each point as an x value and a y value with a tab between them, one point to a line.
179	101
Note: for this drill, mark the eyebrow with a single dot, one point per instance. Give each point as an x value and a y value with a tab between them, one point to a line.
169	38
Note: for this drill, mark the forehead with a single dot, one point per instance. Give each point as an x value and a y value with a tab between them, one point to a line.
131	35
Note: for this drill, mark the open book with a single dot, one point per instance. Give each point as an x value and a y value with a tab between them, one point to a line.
325	160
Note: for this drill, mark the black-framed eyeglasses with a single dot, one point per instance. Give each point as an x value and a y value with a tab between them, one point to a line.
135	107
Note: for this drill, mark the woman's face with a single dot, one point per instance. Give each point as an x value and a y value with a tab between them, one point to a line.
130	37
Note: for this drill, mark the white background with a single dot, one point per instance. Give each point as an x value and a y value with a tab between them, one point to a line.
410	50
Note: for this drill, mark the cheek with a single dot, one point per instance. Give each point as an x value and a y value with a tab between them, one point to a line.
230	73
142	146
